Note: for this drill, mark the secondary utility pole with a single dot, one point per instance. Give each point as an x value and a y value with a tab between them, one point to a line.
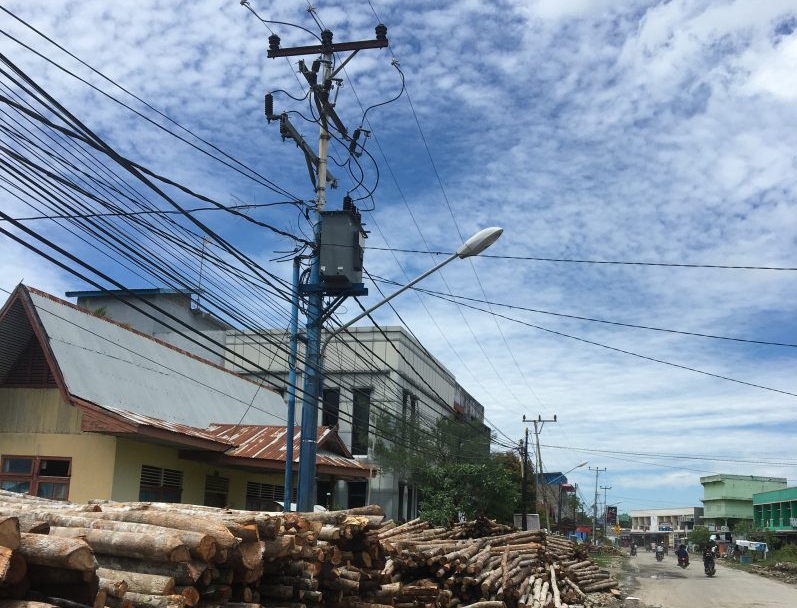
595	504
538	424
605	510
321	85
524	500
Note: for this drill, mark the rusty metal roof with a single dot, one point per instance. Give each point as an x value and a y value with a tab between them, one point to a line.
173	427
268	443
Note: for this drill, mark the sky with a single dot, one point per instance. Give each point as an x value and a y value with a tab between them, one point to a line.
640	156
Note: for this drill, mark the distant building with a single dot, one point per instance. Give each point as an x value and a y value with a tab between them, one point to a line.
728	499
776	510
670	525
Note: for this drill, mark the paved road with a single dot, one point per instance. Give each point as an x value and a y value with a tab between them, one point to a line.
668	586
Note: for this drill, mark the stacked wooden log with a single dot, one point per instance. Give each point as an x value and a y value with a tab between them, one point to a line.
524	569
153	555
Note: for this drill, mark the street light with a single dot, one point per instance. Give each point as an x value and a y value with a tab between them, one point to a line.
559	512
307	469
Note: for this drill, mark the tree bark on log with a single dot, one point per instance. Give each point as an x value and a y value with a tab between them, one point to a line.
202	546
183	573
129	544
138	582
69	553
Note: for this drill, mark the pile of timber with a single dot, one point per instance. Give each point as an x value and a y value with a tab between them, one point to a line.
499	569
157	555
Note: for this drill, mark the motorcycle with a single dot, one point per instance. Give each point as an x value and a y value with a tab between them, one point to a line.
659	555
633	550
683	561
708	566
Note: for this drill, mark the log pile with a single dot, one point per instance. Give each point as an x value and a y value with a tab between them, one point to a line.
497	569
153	555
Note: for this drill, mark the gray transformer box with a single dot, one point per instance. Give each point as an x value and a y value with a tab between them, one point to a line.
342	241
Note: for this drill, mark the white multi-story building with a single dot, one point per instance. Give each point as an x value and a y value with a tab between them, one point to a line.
669	525
370	373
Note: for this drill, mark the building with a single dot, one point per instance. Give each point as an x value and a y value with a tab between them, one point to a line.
728	499
90	408
776	510
670	526
556	501
371	374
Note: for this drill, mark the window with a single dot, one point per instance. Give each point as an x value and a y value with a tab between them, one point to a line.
216	490
360	420
160	485
44	476
357	494
262	496
331	408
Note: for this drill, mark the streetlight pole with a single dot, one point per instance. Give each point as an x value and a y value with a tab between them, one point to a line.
595	504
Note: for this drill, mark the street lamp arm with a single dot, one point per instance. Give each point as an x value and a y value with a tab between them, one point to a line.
473	246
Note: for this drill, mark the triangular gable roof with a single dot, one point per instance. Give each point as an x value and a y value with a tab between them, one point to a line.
98	361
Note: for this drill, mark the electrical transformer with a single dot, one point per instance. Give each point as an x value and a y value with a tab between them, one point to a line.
342	240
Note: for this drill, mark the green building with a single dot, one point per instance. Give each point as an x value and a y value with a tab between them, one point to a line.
776	511
728	499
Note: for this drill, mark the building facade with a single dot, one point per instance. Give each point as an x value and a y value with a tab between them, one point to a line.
670	526
372	376
728	499
777	511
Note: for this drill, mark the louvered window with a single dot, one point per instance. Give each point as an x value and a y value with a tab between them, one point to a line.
216	490
160	485
30	369
264	496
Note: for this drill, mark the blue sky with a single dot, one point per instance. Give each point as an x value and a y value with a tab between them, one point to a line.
626	131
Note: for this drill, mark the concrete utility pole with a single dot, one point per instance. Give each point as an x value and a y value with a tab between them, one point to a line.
320	86
524	499
538	424
605	511
595	504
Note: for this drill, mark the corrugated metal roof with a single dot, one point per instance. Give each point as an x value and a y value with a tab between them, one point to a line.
268	443
110	365
173	427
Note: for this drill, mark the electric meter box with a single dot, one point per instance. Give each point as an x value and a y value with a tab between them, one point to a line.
342	242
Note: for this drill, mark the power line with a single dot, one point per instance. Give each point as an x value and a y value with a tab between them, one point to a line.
605	262
590	319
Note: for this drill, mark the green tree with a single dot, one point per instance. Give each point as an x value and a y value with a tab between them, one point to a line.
699	537
452	465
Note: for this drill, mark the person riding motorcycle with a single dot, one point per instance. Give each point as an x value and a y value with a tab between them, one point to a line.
659	552
682	554
633	549
708	559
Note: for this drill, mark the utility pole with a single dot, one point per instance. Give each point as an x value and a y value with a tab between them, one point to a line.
605	511
595	504
538	424
524	500
321	85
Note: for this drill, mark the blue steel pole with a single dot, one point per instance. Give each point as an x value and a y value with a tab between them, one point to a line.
312	371
294	329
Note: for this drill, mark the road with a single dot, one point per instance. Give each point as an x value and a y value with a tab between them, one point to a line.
666	585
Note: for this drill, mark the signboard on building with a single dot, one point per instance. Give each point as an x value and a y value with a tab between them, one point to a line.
611	515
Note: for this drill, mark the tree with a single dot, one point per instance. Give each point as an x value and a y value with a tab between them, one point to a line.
699	537
452	465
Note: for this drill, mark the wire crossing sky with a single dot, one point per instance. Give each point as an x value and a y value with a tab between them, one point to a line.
640	156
